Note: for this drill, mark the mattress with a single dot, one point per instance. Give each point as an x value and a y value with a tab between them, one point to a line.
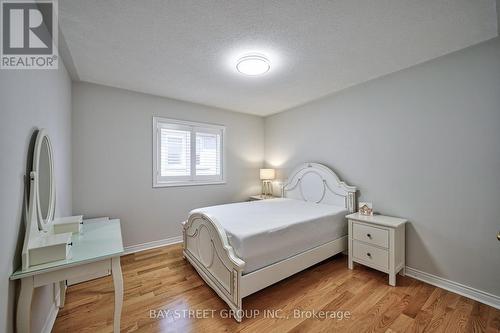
268	231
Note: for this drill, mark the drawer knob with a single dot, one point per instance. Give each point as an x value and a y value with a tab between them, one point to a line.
369	235
369	254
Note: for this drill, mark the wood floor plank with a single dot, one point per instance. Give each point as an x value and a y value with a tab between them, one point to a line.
370	319
401	324
161	281
442	310
460	316
478	318
493	321
420	322
424	291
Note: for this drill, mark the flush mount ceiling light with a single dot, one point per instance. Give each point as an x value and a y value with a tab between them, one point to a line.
253	65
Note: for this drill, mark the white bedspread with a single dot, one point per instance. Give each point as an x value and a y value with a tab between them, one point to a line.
267	231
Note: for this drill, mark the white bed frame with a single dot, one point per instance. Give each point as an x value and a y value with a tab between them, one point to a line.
207	248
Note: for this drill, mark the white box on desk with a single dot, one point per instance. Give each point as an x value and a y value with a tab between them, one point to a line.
50	248
71	224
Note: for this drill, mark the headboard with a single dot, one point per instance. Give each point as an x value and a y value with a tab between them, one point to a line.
317	183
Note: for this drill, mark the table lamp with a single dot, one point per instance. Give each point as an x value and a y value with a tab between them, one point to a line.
267	175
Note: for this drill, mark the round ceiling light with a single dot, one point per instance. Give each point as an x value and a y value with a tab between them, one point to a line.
253	65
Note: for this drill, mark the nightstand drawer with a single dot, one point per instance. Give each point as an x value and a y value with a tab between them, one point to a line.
371	254
372	235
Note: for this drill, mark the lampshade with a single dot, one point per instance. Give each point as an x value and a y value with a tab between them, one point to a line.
267	174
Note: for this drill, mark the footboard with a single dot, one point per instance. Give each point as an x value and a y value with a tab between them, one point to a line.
207	249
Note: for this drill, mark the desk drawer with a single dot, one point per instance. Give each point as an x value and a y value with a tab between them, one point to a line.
371	254
73	272
371	235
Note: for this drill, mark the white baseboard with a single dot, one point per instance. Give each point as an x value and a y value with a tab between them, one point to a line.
153	244
458	288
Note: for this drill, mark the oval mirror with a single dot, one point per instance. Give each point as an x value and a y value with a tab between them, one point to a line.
44	180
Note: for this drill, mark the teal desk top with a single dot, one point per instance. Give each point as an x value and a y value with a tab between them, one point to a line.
97	241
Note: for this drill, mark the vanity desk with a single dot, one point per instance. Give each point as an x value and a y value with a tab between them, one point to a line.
95	250
59	249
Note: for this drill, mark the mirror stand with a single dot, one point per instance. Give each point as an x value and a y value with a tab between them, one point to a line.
46	239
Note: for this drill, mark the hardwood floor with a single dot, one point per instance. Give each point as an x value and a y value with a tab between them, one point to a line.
161	279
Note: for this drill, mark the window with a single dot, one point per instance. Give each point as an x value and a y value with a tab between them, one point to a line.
187	153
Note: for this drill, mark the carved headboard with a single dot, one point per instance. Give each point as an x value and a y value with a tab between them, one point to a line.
317	183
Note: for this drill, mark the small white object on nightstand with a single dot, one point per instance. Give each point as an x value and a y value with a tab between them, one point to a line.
377	241
260	197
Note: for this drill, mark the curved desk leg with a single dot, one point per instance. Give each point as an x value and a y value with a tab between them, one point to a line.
23	316
116	270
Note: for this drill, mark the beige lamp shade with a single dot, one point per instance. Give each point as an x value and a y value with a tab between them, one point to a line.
267	174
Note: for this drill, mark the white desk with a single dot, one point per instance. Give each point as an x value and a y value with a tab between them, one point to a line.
95	250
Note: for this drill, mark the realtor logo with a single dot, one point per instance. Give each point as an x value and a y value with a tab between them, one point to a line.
29	34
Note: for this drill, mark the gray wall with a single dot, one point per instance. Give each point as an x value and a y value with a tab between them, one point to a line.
422	143
112	160
498	16
29	99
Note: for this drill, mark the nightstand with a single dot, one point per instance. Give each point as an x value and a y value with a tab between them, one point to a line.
377	241
260	197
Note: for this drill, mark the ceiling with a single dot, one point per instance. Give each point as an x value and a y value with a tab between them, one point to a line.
187	49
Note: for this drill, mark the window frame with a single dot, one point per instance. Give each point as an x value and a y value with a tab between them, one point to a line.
193	128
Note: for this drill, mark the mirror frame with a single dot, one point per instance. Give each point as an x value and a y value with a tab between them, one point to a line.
41	136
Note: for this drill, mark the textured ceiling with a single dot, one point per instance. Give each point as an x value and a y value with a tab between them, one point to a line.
188	49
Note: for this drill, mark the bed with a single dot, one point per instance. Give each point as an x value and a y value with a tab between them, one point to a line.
241	248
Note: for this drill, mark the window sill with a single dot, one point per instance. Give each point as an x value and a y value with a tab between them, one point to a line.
182	184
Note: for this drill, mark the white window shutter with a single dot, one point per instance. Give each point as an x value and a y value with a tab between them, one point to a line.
175	153
187	153
208	154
